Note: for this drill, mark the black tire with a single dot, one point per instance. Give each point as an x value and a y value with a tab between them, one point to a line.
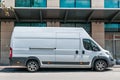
32	66
100	65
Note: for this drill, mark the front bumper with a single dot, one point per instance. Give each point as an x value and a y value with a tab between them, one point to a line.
16	61
112	62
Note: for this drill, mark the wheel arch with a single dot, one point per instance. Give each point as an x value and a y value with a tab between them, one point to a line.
32	58
99	58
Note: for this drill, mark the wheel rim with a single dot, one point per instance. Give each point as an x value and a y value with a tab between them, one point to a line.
101	65
32	66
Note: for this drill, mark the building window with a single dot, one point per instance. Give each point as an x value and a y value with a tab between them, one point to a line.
26	24
67	3
86	26
39	3
75	3
112	3
30	3
22	3
112	27
67	25
83	3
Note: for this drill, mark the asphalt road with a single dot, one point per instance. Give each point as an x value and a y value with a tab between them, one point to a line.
59	74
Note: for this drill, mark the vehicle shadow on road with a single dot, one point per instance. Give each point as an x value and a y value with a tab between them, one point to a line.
48	70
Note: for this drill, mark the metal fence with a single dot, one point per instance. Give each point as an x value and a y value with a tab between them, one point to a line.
114	47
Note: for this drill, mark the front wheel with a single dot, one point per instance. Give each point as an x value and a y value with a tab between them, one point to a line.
100	65
32	66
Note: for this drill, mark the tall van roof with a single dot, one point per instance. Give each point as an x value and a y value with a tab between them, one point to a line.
19	29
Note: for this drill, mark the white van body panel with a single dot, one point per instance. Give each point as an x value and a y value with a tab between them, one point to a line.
53	45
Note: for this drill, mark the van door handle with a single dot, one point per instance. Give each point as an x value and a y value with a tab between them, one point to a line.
83	52
76	51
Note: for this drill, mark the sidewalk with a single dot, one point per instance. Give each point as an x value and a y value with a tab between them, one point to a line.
116	66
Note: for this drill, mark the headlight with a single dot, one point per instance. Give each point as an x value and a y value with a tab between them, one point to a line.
110	55
107	53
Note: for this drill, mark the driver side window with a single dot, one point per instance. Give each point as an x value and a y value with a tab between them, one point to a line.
90	45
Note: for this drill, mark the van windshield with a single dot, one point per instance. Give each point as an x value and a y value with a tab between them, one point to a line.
90	45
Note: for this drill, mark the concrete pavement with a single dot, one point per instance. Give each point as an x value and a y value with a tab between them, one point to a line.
20	69
17	73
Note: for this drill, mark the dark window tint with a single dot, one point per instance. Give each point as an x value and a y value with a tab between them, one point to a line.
90	45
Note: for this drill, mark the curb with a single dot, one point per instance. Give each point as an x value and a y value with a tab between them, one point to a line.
116	66
2	67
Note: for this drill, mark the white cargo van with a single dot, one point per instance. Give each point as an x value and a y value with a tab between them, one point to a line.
37	47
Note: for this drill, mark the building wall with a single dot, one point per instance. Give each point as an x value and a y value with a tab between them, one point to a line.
53	4
53	24
98	27
9	3
97	3
6	30
98	33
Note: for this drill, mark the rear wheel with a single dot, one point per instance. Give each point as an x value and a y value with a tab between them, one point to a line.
100	65
32	66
